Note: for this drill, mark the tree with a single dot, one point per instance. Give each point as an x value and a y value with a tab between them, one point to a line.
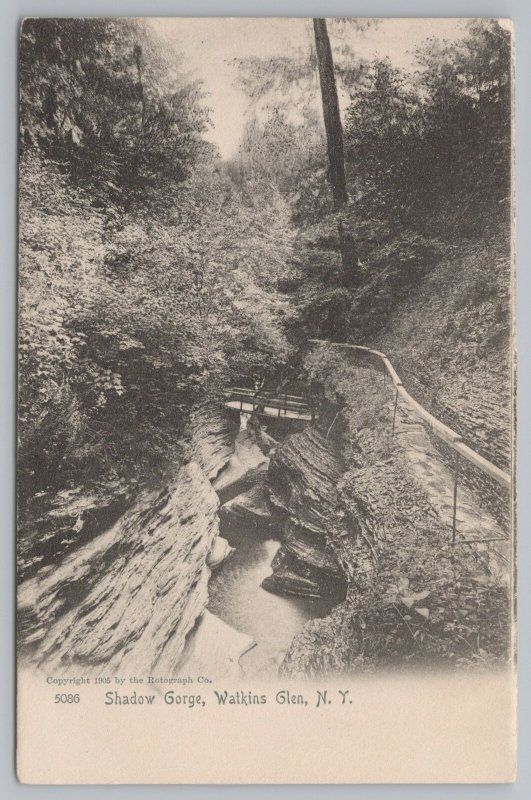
148	278
432	146
97	98
332	119
336	156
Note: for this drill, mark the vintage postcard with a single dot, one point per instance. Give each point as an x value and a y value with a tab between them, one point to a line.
266	401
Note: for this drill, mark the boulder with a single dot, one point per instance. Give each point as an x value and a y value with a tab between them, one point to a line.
251	509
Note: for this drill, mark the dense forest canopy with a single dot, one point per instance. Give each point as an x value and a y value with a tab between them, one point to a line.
427	158
153	274
142	281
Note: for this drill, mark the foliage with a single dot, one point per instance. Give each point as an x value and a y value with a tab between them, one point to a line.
352	383
387	277
427	157
148	277
439	139
96	97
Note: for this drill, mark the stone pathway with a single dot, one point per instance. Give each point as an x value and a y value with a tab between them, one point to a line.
473	522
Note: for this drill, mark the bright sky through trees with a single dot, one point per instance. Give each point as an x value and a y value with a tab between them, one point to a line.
207	47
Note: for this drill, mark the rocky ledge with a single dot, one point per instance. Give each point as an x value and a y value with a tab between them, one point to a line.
130	596
303	477
251	509
127	600
52	525
212	435
215	649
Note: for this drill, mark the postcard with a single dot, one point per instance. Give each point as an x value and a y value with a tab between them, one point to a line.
265	527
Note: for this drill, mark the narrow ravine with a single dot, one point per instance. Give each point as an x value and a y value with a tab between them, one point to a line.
235	592
236	596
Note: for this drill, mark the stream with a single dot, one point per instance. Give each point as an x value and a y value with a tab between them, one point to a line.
237	597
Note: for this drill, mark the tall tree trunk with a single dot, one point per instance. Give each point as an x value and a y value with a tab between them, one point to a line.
336	156
139	155
332	119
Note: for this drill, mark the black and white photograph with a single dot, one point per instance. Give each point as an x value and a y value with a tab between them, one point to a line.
266	372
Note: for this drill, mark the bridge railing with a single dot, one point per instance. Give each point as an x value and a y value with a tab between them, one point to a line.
283	403
449	436
264	393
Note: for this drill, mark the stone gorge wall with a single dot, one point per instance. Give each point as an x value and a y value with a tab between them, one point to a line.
331	521
212	434
129	597
303	476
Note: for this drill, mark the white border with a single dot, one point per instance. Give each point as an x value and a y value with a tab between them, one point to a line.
11	13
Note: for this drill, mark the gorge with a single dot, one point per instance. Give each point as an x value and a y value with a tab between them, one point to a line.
273	552
157	530
175	583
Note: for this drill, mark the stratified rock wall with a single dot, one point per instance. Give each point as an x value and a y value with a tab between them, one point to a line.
303	477
212	435
128	599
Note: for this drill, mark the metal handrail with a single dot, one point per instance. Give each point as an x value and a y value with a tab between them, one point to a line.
452	438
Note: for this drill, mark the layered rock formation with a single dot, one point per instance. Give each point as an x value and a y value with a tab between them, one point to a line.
303	476
212	435
51	526
252	509
128	598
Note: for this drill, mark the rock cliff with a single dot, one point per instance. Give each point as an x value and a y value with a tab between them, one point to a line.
127	599
212	435
53	525
303	476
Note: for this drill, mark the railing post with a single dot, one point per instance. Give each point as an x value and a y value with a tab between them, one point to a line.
454	518
394	413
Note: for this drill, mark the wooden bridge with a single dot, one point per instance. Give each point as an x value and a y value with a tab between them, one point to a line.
270	404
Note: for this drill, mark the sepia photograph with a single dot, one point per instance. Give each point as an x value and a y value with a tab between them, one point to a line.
266	374
265	344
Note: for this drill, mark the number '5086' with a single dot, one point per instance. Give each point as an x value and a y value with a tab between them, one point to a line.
66	698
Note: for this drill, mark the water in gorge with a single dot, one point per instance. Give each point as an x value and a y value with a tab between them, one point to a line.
237	597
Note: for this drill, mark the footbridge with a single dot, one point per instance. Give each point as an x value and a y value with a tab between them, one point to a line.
270	404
